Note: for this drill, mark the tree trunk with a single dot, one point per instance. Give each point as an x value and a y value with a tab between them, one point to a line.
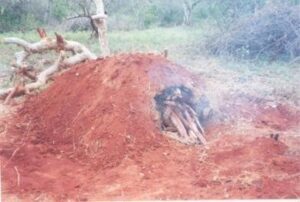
101	22
188	7
94	27
187	10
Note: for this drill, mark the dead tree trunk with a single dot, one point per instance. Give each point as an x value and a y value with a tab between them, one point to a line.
187	13
188	7
94	27
101	22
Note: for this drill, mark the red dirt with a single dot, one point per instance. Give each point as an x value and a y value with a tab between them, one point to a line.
94	134
261	112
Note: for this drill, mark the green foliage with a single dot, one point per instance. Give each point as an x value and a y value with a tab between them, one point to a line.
60	9
29	22
170	14
270	34
119	41
17	15
151	16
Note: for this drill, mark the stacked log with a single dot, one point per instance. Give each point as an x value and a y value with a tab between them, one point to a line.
178	115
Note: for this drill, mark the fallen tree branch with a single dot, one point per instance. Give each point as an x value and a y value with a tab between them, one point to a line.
44	44
80	54
27	72
47	44
10	95
44	75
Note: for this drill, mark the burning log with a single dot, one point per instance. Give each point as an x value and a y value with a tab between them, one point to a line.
80	54
176	107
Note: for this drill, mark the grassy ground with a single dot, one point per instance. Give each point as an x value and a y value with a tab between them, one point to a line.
120	41
151	40
183	45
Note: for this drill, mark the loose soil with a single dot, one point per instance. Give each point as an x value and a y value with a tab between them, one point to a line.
94	134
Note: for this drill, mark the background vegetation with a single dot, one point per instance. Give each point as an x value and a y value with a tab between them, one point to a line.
245	29
25	15
253	42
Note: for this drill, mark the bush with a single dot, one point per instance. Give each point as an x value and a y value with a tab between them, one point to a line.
77	24
123	22
273	33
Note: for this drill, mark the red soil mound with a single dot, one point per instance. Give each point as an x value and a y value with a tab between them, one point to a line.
103	109
94	134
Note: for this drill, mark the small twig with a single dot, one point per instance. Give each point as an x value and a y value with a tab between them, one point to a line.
296	59
18	176
10	95
165	53
27	73
27	127
74	144
12	155
38	197
78	16
4	129
42	33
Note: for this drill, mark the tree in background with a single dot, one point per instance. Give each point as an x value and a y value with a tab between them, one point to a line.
83	9
188	7
24	15
100	20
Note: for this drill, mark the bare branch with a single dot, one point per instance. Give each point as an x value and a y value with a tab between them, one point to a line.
42	33
81	53
78	16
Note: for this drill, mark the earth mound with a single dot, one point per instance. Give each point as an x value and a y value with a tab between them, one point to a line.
104	109
94	134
